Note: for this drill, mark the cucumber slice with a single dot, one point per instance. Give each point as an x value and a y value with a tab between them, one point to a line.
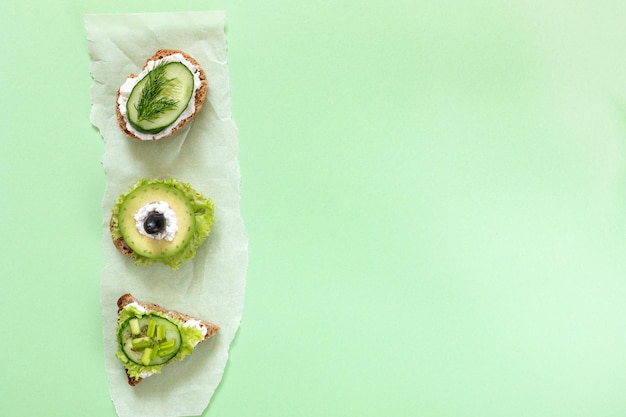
141	349
160	97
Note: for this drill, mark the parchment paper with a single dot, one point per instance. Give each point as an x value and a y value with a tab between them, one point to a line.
204	154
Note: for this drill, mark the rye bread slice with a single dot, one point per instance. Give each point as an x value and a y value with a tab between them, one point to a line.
199	96
128	298
119	243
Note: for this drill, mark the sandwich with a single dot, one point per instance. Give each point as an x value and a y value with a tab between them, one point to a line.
166	95
150	337
161	221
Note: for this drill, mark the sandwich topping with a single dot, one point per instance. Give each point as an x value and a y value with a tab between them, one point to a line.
154	102
147	339
161	221
156	221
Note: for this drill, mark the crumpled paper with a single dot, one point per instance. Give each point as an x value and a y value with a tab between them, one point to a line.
204	153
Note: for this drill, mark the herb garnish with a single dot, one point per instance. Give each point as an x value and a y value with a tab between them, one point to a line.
154	99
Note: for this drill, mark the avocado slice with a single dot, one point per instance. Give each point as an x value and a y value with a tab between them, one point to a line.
145	245
193	213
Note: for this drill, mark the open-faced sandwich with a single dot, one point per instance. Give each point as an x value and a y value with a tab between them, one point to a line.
161	221
150	337
167	93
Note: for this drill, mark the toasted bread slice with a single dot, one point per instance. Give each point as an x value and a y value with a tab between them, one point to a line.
199	96
209	329
119	243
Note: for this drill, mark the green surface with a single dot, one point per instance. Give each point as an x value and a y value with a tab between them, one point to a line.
433	191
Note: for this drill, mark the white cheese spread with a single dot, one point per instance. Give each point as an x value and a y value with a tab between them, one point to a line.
197	325
131	82
137	306
171	225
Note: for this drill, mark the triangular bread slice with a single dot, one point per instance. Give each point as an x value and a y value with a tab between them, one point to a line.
126	299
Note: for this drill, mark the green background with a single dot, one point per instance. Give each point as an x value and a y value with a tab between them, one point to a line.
433	192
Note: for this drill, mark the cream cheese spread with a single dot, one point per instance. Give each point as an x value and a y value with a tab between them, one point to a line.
197	325
137	306
171	225
131	82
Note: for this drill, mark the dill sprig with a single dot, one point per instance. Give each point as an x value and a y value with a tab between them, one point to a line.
154	99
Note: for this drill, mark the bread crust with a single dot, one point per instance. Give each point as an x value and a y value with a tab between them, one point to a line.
120	244
128	298
199	96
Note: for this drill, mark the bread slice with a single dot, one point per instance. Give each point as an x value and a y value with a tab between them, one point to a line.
119	243
126	299
198	98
